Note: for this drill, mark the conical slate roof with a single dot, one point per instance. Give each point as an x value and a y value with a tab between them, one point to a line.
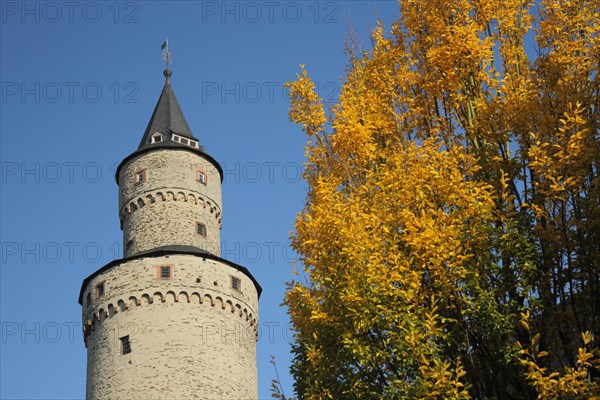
166	119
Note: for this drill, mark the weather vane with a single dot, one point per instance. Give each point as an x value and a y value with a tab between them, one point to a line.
167	59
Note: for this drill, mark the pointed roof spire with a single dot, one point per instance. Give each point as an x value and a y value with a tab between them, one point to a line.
167	126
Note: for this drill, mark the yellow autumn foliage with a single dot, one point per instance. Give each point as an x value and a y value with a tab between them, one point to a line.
454	188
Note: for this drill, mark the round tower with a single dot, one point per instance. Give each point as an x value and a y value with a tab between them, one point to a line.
171	319
169	189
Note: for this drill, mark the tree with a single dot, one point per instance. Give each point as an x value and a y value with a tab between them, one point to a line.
450	243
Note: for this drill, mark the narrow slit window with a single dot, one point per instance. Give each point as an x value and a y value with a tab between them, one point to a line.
201	229
129	243
100	290
89	298
125	345
165	272
236	283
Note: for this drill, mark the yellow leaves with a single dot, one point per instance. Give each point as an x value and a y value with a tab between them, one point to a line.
442	173
524	320
318	315
572	383
307	108
583	357
443	381
586	358
561	160
373	241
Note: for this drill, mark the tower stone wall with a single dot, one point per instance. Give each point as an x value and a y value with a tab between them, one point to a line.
191	336
171	319
164	207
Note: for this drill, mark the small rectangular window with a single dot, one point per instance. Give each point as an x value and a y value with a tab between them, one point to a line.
236	283
129	243
140	176
165	272
156	138
201	229
100	290
125	345
201	176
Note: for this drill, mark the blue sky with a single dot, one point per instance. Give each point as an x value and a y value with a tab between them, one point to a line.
79	83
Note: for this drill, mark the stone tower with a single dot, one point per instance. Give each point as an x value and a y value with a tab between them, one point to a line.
171	319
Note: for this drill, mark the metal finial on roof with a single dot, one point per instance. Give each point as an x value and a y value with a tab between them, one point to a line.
167	58
167	118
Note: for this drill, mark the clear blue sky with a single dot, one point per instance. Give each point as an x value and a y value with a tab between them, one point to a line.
79	83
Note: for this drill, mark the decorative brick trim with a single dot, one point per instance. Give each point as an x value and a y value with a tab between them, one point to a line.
109	310
169	194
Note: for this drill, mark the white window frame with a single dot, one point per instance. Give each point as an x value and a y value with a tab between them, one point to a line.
183	140
156	138
201	176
